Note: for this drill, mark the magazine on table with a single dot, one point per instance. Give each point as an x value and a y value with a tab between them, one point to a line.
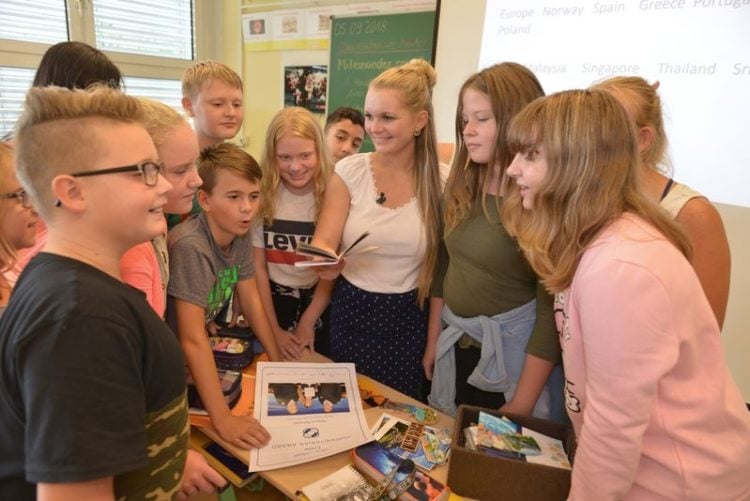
311	411
323	257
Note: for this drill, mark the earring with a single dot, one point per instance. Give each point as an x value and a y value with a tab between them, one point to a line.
58	203
417	132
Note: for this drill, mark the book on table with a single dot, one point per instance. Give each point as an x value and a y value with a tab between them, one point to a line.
426	446
324	257
345	484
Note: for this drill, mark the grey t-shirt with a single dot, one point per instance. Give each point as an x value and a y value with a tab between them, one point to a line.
199	271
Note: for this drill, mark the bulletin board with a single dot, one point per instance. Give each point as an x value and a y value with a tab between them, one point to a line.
364	46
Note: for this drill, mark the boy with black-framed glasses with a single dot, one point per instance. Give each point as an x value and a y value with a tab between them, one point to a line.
92	387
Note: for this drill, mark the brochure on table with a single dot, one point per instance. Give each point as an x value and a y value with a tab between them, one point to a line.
311	411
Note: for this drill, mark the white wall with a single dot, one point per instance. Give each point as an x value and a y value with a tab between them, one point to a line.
459	40
736	332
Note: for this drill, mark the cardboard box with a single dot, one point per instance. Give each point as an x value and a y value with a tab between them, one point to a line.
480	476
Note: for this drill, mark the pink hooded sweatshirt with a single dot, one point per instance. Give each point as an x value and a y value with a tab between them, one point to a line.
656	412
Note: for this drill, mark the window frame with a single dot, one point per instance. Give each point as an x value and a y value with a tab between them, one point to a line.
207	18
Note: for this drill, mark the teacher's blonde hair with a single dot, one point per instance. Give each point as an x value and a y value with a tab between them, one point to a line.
416	80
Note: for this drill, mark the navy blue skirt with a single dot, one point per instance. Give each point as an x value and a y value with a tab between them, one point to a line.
384	335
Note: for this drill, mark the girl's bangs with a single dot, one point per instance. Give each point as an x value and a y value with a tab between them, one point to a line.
525	130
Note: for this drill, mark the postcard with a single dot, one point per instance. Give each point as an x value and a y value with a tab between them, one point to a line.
410	440
523	444
311	411
553	452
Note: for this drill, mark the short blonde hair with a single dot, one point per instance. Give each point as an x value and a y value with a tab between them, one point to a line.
592	179
56	134
159	120
197	76
296	122
7	252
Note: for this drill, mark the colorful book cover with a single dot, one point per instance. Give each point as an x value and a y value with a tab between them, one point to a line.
424	445
376	462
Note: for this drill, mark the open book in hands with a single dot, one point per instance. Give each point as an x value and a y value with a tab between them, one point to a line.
324	257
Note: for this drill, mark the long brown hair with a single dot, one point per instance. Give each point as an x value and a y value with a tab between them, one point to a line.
510	87
416	79
592	179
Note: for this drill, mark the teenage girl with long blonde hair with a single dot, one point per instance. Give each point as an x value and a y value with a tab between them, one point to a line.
296	168
18	223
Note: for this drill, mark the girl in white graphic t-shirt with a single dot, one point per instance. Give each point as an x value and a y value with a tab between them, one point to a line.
296	168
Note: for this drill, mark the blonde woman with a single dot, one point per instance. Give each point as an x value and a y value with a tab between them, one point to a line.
379	306
655	410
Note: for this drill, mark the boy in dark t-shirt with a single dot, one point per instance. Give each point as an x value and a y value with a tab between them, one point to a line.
92	387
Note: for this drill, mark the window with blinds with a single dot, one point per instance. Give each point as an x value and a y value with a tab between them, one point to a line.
41	21
14	82
168	92
154	40
163	29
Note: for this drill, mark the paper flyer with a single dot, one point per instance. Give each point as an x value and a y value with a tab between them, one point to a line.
311	411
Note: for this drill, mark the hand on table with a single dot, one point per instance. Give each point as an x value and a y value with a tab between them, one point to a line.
290	345
242	431
306	335
212	328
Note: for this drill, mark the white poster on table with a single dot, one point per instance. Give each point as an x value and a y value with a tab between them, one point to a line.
311	411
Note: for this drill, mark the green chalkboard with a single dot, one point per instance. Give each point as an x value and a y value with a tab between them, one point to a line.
363	46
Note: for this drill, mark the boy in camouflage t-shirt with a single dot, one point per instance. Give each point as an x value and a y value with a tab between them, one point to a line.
92	386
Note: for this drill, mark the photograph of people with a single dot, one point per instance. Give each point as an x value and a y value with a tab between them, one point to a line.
287	398
258	27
